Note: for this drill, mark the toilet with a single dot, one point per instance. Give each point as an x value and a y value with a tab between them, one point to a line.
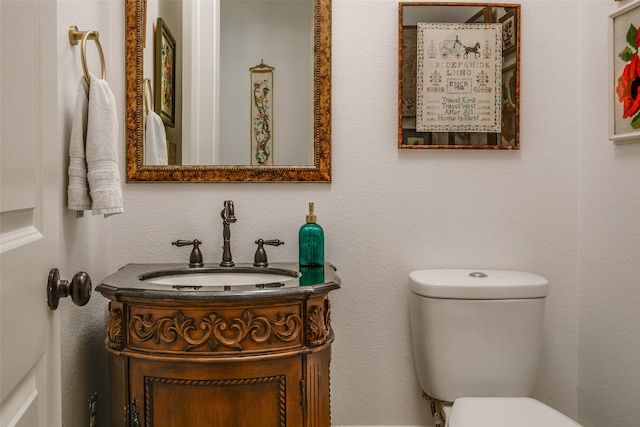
477	336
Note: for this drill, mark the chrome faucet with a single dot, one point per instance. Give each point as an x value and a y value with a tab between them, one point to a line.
228	217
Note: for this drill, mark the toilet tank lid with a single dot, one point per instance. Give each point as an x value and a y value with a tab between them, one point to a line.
477	284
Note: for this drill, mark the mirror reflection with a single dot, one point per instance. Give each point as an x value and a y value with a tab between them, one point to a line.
232	41
228	90
458	76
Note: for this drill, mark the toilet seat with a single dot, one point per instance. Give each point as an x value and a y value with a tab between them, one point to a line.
505	412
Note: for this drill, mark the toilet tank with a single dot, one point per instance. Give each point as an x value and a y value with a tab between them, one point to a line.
476	333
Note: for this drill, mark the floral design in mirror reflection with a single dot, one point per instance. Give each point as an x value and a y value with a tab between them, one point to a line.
262	115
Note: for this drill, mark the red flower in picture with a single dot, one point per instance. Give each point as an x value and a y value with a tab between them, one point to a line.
627	90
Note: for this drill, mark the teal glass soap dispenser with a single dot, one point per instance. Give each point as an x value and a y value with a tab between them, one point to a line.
311	242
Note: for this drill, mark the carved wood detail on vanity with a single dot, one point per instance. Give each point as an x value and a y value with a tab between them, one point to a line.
115	328
278	382
215	331
319	323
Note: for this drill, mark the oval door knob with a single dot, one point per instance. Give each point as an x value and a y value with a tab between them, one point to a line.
79	288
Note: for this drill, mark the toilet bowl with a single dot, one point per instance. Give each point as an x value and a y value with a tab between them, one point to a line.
505	412
476	338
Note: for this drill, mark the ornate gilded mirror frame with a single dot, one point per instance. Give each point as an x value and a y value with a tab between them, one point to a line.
437	19
319	171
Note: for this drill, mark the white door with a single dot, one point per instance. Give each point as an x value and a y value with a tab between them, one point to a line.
29	210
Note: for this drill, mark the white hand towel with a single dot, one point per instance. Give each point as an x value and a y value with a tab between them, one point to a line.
155	140
78	189
102	150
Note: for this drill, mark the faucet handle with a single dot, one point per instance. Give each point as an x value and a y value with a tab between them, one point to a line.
260	258
195	259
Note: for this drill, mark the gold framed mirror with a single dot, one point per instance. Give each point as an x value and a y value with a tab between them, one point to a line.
458	76
317	164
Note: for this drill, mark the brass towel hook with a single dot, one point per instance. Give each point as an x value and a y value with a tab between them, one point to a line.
148	96
83	36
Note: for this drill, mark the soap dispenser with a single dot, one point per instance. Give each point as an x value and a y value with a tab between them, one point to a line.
311	242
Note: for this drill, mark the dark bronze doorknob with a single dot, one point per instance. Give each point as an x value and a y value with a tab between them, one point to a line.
79	288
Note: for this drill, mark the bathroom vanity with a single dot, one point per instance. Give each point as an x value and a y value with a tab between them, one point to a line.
225	355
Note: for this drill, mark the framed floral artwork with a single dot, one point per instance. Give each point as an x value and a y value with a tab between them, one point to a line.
624	74
165	73
262	115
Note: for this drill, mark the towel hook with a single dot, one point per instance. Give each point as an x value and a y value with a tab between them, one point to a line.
148	96
83	36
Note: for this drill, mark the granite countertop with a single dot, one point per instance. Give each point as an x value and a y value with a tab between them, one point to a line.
135	280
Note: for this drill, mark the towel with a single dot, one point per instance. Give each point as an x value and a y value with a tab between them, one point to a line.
78	189
155	140
103	172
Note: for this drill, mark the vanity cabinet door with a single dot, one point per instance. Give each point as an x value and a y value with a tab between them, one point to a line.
317	408
264	393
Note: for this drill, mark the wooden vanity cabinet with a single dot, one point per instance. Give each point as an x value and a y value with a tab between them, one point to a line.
260	362
266	393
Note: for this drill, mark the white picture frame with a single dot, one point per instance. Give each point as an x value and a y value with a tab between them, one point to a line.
624	105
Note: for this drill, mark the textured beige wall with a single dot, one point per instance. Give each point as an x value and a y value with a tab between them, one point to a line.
389	212
609	279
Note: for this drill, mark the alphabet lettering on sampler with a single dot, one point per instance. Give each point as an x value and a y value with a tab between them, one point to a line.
464	78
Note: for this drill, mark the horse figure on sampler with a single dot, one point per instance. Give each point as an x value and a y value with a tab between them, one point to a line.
475	50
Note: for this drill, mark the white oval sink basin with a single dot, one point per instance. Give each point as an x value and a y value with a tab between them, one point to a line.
220	277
